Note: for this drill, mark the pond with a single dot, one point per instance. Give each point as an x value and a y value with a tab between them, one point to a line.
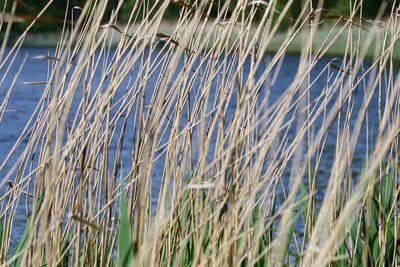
26	95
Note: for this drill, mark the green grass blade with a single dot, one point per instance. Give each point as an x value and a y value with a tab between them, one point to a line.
24	238
125	241
1	232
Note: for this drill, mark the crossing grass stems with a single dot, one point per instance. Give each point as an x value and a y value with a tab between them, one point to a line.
236	187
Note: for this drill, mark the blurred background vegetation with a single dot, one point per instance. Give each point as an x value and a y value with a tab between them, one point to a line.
54	16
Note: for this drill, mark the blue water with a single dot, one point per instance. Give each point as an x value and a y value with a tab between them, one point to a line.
24	99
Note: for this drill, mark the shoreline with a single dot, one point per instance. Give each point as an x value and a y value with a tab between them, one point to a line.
338	49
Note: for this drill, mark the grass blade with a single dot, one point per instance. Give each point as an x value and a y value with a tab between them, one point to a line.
125	241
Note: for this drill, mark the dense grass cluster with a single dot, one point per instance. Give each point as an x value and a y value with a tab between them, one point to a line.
182	153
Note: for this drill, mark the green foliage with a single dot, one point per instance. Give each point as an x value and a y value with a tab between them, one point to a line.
1	231
24	238
54	16
64	250
376	217
125	241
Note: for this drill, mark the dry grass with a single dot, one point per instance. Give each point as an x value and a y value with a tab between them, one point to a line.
240	172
